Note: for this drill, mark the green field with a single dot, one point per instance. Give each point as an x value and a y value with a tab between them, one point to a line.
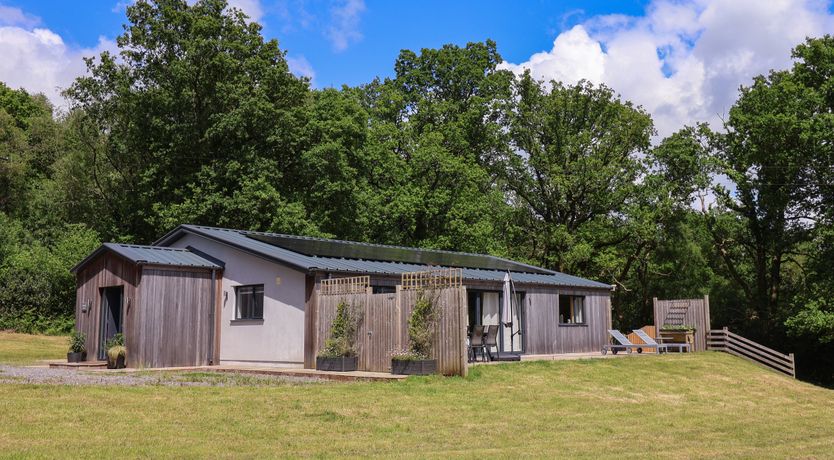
25	349
673	406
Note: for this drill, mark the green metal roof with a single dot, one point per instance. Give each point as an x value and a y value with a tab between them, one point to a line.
319	254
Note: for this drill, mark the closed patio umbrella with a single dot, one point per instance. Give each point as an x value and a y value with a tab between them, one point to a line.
507	310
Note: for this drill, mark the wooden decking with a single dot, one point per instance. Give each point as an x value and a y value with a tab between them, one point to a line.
81	365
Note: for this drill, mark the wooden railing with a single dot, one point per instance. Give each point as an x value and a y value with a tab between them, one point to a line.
734	344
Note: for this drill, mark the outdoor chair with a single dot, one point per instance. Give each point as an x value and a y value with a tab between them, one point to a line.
476	343
624	343
491	340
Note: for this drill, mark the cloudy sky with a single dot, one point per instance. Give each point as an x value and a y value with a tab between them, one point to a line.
682	60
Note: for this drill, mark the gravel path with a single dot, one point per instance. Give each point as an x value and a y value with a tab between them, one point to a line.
46	375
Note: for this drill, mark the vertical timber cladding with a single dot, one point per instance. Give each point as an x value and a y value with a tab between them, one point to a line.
173	323
544	333
106	270
384	326
697	314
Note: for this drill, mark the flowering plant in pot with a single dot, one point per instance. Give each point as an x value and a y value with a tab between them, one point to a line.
421	329
339	352
77	347
116	352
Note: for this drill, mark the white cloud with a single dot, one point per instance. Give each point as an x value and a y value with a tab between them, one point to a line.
301	67
683	61
252	8
39	61
11	16
344	23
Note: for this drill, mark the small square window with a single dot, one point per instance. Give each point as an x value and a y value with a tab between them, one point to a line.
571	309
250	302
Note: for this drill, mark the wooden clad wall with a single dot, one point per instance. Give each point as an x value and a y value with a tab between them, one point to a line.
105	271
385	327
173	320
697	314
546	336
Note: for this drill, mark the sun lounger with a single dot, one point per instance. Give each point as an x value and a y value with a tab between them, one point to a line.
623	345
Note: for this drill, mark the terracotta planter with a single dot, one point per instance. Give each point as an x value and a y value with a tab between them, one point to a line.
76	357
414	367
339	364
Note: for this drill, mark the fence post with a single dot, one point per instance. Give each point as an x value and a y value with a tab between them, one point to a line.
793	366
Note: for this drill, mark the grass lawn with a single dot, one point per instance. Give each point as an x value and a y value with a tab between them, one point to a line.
673	406
26	350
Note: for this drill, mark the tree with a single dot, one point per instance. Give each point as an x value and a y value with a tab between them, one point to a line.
432	132
197	109
573	174
770	152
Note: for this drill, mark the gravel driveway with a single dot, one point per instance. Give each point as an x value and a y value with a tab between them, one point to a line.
46	375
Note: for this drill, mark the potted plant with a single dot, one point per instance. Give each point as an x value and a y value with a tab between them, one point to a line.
683	333
77	349
339	352
116	352
421	328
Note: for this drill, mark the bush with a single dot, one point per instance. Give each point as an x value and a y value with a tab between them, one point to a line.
421	325
342	340
77	342
118	340
38	294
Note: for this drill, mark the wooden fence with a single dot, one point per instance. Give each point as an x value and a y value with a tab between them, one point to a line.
693	312
384	326
734	344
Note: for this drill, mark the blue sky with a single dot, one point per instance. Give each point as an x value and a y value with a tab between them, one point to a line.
681	60
520	28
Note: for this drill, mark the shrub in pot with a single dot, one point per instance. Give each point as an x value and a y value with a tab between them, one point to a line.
421	329
116	352
77	349
339	352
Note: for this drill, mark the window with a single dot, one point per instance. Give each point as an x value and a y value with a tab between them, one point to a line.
571	309
383	289
250	302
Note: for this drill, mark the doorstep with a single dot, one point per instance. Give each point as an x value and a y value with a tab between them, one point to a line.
81	365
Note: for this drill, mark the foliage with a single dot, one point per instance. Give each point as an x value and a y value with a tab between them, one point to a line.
118	340
38	290
407	355
196	107
343	332
421	326
77	342
115	352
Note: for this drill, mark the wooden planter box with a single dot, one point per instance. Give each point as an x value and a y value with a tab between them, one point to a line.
679	336
414	367
340	364
76	357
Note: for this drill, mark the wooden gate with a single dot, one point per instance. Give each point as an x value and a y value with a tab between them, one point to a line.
384	326
691	312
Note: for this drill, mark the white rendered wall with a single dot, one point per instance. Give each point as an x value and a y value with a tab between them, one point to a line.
278	340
